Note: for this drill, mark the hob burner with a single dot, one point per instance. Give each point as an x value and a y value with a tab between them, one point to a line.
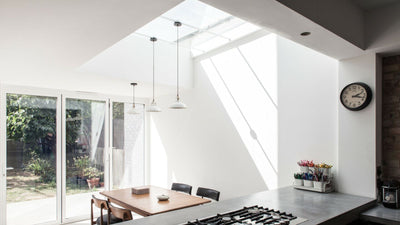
254	215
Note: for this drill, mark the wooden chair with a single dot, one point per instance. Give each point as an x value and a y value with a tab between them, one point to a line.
182	188
120	213
208	193
103	219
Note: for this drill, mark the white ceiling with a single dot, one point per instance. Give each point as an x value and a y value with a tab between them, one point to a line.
64	34
45	34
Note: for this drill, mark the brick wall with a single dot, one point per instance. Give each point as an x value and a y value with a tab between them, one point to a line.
391	118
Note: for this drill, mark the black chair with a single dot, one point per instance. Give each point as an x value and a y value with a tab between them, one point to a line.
103	219
182	187
208	193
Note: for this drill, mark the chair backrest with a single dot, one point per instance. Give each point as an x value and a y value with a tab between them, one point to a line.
102	205
208	193
120	213
182	187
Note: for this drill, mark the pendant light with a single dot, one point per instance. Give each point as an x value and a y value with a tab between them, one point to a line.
178	104
153	106
133	110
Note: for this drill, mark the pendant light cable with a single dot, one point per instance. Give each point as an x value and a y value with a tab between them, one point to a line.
153	39
133	94
153	106
177	24
178	104
133	110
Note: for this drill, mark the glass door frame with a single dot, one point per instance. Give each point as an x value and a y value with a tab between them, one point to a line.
109	100
145	130
11	89
83	96
61	96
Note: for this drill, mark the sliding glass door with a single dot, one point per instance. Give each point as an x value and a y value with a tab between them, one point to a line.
31	158
127	143
58	148
85	148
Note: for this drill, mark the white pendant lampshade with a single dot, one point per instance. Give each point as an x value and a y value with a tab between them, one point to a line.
177	104
134	109
153	107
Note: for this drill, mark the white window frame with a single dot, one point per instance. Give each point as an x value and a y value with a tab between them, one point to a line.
61	96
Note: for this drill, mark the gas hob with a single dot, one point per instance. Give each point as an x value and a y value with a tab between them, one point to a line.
254	215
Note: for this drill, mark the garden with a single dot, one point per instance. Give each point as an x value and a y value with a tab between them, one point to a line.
32	151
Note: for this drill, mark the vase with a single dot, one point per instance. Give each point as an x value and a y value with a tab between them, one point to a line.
304	169
308	183
326	171
93	182
318	184
298	182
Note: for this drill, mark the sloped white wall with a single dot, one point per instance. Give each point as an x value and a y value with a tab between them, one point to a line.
131	58
200	146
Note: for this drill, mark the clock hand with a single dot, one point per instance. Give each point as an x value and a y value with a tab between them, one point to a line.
357	95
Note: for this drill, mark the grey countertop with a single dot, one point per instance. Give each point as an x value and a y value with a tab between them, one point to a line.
317	208
381	214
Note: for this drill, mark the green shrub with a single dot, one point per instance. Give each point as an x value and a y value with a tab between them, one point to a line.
92	172
42	168
81	163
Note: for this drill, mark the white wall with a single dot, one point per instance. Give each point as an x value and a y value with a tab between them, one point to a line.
83	82
357	131
131	58
200	145
307	108
183	142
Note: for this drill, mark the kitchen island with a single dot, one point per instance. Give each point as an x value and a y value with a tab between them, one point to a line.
317	208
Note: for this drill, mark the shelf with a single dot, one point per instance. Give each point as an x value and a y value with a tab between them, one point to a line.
328	188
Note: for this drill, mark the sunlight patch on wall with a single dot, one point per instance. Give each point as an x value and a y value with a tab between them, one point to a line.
158	158
245	79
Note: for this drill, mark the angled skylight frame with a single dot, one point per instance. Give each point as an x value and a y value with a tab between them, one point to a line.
199	21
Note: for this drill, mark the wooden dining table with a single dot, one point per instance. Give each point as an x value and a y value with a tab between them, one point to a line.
148	204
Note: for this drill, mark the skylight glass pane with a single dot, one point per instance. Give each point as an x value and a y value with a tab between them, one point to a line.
201	38
241	31
203	27
196	13
211	44
164	29
226	26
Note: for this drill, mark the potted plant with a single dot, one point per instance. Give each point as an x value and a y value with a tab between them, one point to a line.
308	180
303	165
318	179
298	179
326	169
93	176
80	164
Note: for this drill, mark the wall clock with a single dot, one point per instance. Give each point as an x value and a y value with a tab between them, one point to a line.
356	96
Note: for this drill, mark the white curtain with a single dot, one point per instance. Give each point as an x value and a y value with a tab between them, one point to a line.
98	114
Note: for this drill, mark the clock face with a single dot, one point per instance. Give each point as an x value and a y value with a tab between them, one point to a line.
356	96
